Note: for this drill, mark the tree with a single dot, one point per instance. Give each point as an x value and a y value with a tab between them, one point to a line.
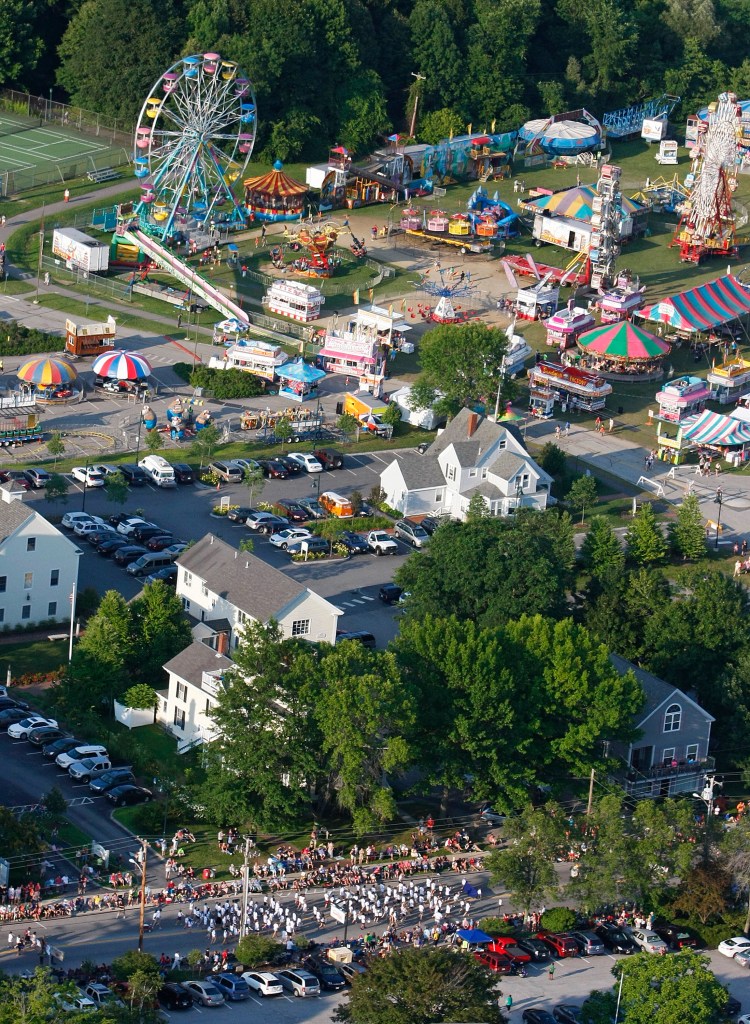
582	494
602	554
283	430
116	488
477	509
347	423
57	488
55	802
21	39
254	480
56	445
552	459
108	638
125	966
645	540
392	415
459	364
422	986
256	950
356	500
705	893
439	124
527	865
670	989
141	696
31	1000
247	544
205	444
736	859
363	113
161	631
687	534
153	441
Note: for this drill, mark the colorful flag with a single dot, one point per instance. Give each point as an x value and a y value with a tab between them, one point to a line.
494	122
403	305
469	127
355	297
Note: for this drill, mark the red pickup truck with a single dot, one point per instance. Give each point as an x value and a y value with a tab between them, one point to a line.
506	945
560	945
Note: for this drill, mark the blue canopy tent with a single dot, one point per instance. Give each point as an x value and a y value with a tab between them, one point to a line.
299	380
473	935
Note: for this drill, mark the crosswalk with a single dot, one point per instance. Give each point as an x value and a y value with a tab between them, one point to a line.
355	601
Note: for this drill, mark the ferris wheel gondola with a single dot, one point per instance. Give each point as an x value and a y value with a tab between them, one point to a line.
193	141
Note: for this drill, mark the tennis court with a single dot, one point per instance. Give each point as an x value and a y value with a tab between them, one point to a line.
35	152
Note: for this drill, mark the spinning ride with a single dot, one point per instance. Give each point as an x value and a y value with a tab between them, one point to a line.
445	291
194	138
708	224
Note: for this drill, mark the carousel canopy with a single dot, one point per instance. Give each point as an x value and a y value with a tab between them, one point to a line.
576	202
704	307
622	341
231	326
47	370
275	183
300	371
122	365
713	428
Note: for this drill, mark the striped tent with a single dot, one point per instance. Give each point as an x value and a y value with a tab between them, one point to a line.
714	429
704	307
622	340
576	202
275	183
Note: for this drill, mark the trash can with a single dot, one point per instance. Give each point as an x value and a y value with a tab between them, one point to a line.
620	410
339	408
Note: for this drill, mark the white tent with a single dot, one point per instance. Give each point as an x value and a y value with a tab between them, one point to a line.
427	419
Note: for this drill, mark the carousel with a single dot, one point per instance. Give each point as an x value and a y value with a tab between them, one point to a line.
275	196
622	350
49	379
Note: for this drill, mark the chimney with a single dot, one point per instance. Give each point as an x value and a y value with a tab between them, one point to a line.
473	423
222	643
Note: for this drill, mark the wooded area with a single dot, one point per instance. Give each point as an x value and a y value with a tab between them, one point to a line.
340	71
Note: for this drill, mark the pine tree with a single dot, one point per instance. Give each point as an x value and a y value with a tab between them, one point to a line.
645	539
687	534
602	552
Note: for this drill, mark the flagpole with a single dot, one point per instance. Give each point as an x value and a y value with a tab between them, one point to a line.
72	620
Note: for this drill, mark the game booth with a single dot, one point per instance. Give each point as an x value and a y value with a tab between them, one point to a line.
299	381
622	300
261	358
566	326
709	433
681	398
702	309
295	300
572	387
730	381
622	349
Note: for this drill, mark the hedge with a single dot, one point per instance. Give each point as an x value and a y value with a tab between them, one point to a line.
17	340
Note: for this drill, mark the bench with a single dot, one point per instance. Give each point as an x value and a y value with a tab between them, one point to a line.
105	174
58	636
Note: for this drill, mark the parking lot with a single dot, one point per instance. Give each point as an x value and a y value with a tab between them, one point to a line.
185	511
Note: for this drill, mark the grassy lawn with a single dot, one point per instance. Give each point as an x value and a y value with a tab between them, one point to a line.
44	194
26	657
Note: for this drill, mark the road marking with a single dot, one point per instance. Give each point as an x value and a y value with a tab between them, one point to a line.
366	598
258	1001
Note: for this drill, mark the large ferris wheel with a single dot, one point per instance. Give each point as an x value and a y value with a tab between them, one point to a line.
708	223
194	138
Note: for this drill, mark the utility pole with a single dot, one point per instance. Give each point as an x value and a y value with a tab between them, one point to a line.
590	805
419	78
245	887
142	913
707	795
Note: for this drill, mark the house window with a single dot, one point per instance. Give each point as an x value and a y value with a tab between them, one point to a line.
438	495
182	692
204	590
179	718
450	473
667	756
673	718
54	577
485	471
472	472
185	605
28	580
187	578
26	611
691	752
525	480
502	444
2	615
208	706
3	584
300	627
52	609
31	543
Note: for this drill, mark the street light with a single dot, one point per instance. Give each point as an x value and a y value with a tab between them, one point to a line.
707	796
718	500
142	864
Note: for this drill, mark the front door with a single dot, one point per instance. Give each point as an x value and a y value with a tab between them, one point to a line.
642	758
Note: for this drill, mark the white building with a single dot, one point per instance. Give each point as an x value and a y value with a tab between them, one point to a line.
38	565
473	455
222	589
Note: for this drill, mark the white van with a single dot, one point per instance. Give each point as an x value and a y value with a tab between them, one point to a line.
159	470
80	754
149	563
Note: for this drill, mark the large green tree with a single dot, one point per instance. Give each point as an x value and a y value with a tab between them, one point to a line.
688	533
21	39
161	630
526	867
646	543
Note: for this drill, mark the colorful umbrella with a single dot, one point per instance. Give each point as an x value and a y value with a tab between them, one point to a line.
622	340
510	415
121	365
46	370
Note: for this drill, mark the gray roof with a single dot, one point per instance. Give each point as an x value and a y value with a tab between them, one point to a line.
13	514
193	661
486	489
247	582
506	465
486	433
657	690
420	471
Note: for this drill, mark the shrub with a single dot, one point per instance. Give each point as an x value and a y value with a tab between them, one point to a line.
558	919
495	926
230	383
256	950
221	510
125	966
17	340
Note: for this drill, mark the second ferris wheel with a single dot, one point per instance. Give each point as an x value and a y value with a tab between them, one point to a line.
194	138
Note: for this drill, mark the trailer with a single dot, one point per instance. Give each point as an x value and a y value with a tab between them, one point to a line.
80	251
90	339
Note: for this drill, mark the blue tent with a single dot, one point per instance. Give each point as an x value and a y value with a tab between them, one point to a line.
300	371
473	935
468	890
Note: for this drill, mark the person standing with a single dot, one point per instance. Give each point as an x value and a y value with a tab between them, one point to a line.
66	195
551	971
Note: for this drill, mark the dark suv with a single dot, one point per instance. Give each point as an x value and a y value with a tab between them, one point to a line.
616	939
133	474
329	458
325	972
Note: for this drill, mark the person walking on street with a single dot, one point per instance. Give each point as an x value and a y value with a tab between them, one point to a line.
551	972
66	195
509	1003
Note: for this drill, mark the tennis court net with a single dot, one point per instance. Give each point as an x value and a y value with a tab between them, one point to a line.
16	127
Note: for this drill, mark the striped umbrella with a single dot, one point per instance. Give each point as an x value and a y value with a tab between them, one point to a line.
122	365
622	340
46	370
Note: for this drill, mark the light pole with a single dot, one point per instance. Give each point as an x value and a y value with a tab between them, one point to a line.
72	620
707	796
142	912
718	500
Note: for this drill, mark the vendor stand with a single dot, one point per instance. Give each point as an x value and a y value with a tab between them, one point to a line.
299	381
729	381
261	358
710	433
681	398
538	301
566	325
572	387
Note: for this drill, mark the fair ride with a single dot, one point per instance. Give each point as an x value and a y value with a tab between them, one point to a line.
446	287
194	138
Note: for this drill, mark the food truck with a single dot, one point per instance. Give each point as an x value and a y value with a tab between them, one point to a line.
79	250
571	387
682	397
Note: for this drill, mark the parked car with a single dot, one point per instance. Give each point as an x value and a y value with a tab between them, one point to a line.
142	531
507	945
228	471
284	538
183	473
126	526
494	961
88	476
61	746
21	729
350	971
412	533
233	987
74	1003
263	983
109	779
204	992
308	545
535	948
240	514
159	542
329	458
106	546
38	478
133	474
313	508
124	556
616	939
102	995
326	973
649	941
291	465
266	522
360	636
127	794
432	523
88	530
97	539
535	1015
560	945
246	465
422	447
589	943
174	549
273	469
12	715
292	510
166	575
390	593
89	767
45	734
174	997
742	959
106	470
381	543
298	982
354	543
677	936
567	1013
727	947
306	461
70	519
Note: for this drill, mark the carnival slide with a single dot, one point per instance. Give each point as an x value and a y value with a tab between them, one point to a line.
197	285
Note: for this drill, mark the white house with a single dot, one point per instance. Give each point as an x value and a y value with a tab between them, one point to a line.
222	588
38	565
473	455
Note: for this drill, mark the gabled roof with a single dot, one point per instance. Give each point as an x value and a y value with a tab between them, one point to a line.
420	471
242	579
658	691
486	433
506	465
13	514
193	661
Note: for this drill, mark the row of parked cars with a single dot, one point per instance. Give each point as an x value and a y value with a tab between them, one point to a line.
233	471
141	547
